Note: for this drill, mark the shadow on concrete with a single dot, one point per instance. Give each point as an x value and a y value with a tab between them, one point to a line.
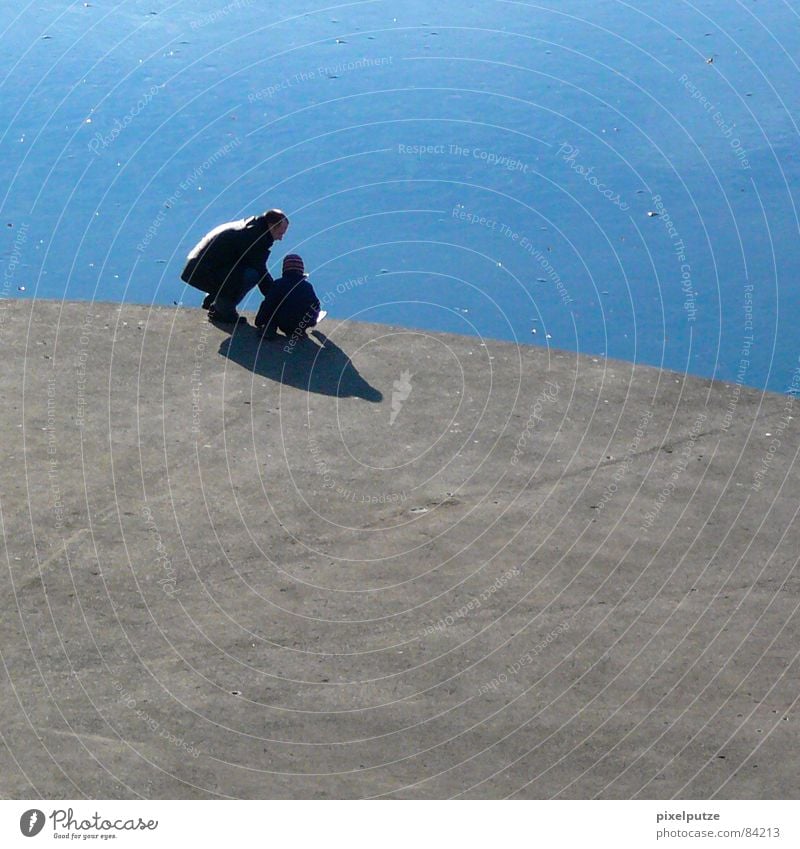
324	368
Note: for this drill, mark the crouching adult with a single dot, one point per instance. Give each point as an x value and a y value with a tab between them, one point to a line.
291	304
231	260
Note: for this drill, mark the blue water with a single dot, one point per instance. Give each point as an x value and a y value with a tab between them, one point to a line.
550	131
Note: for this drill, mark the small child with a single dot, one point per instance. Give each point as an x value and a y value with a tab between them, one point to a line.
290	303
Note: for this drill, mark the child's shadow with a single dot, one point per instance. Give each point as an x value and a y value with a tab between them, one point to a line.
323	368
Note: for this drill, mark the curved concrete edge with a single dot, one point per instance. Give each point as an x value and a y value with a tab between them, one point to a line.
402	563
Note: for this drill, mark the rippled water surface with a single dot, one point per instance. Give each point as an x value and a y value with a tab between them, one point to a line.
614	178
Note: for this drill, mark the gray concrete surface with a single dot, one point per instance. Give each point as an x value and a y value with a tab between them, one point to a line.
229	573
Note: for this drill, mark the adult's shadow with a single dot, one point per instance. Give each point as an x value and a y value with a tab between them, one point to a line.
324	368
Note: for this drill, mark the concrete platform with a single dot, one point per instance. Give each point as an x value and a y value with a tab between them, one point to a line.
252	570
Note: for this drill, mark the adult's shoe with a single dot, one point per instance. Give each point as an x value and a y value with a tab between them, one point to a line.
224	318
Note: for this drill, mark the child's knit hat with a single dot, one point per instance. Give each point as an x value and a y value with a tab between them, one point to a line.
293	262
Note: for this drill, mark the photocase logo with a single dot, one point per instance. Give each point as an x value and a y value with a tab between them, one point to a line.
400	393
31	822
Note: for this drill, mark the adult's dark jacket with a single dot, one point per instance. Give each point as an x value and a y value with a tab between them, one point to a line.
289	302
227	251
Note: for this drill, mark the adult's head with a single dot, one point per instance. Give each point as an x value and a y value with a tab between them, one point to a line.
277	223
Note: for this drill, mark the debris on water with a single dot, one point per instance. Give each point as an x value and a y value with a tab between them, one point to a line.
652	214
